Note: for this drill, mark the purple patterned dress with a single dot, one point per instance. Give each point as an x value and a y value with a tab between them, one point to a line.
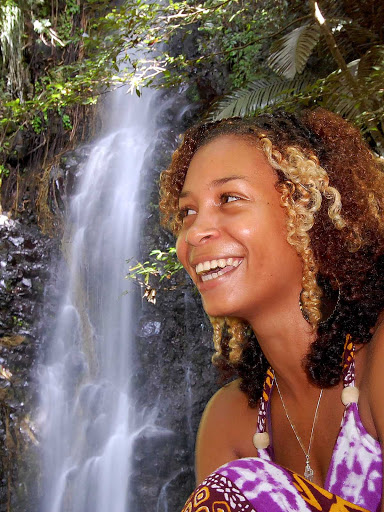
257	484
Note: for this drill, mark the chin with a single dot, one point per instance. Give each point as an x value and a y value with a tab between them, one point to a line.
219	311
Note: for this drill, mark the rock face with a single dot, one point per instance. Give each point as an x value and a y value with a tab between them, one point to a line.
174	375
175	378
25	267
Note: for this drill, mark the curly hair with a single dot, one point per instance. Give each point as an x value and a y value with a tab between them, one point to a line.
332	188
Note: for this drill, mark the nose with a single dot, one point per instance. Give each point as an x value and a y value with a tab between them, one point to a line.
203	229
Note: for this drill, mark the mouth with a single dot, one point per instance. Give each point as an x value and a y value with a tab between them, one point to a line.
212	269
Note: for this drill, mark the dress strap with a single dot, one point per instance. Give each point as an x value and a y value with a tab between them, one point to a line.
265	396
348	381
349	362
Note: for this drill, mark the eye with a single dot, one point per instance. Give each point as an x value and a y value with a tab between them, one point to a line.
186	212
229	198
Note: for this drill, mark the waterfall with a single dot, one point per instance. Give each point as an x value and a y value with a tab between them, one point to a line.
88	415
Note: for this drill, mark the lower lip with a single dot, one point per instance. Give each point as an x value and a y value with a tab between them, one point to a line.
212	283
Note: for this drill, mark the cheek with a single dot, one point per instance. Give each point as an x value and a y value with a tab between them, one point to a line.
181	250
266	239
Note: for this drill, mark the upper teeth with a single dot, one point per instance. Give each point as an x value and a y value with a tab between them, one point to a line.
221	263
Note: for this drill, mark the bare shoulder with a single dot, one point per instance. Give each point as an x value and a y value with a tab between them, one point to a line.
375	348
227	399
372	385
227	403
225	431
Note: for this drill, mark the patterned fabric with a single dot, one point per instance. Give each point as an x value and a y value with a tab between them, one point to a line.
349	362
355	471
257	484
267	388
217	494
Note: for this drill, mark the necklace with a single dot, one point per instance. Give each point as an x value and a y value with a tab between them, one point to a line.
308	471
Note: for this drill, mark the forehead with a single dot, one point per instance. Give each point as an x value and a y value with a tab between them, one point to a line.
228	155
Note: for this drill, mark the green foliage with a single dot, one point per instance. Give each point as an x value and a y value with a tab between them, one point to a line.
75	48
353	89
248	53
65	119
230	35
86	56
259	95
162	264
18	322
150	274
233	42
37	124
4	173
110	32
230	41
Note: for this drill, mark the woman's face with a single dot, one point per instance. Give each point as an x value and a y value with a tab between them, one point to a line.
233	241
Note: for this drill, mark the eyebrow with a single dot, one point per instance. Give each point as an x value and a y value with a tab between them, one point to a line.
217	183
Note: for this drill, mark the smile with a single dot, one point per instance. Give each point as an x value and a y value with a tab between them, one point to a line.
212	269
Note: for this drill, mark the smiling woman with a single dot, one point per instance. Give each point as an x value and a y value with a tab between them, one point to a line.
279	222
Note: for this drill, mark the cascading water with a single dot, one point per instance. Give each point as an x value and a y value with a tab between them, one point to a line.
87	410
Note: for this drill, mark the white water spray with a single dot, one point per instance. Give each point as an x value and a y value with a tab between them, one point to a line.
88	414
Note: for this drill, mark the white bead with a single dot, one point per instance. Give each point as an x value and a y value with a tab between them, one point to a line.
261	440
350	395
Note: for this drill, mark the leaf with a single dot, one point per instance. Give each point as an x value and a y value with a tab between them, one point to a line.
373	58
336	94
256	96
338	99
357	34
290	54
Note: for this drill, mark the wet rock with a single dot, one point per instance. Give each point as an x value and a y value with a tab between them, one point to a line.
174	376
149	328
6	221
25	265
16	241
70	162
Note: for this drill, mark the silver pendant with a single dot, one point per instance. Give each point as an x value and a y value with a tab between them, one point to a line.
308	472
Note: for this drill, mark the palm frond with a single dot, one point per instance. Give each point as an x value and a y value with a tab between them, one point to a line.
290	53
369	70
257	96
337	98
374	58
357	34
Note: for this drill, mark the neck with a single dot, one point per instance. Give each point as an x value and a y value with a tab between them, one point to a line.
284	337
